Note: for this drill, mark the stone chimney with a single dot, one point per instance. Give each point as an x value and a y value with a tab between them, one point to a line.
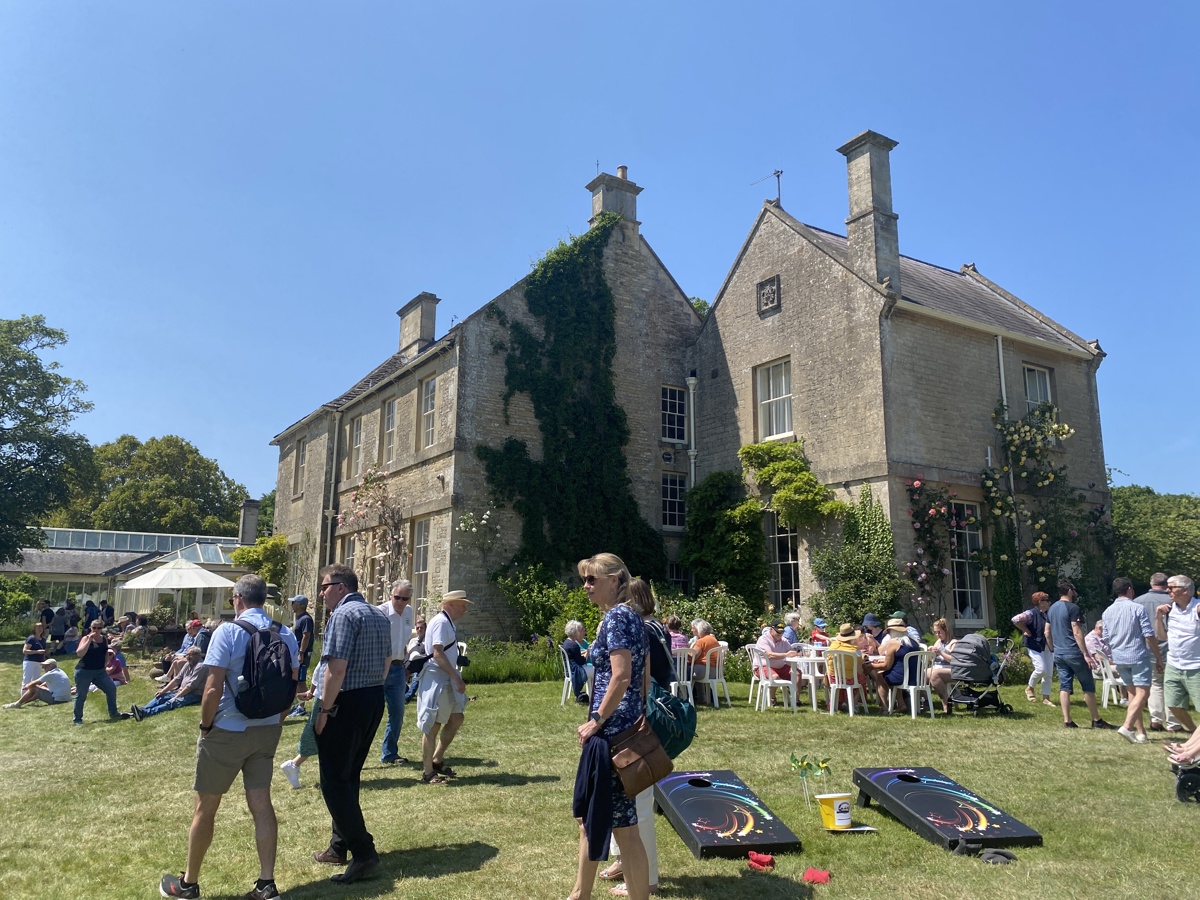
871	228
614	194
417	319
248	523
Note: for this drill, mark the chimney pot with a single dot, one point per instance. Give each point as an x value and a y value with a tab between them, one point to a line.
623	172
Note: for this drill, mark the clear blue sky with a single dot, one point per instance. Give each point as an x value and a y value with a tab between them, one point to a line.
224	204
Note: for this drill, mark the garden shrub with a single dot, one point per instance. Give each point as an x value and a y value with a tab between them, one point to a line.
732	618
495	662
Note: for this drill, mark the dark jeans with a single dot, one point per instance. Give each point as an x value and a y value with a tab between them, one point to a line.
167	702
393	695
342	748
84	678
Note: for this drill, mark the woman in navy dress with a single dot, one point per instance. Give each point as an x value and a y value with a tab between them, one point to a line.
618	655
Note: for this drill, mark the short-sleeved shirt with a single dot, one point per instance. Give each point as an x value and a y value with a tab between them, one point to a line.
38	646
58	683
1062	613
704	645
304	625
191	678
107	615
621	629
227	650
1183	637
358	633
46	616
441	631
1126	627
1151	601
401	625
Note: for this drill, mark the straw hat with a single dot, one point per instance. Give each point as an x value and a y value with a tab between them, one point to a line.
848	631
897	625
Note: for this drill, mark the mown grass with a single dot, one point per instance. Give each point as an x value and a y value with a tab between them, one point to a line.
102	811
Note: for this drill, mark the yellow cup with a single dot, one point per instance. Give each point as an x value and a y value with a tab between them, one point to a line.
835	810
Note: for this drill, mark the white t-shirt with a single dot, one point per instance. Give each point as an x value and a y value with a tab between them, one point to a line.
58	683
402	626
1183	637
441	631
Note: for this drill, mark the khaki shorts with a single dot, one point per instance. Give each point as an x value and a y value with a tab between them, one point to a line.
1180	686
220	755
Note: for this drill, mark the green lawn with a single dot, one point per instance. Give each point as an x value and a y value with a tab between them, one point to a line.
102	811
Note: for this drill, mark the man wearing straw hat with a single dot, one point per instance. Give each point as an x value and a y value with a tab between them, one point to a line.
442	695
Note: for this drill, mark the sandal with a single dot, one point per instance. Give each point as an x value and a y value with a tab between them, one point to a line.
622	891
432	778
443	769
1030	695
1048	702
613	872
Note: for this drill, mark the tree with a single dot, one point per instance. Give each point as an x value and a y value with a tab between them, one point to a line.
267	556
37	450
724	542
17	596
1155	533
266	514
164	485
700	306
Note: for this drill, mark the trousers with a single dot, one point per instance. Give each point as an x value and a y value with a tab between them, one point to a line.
342	748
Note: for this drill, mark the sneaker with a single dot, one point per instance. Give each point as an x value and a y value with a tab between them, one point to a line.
162	679
1100	724
173	886
267	892
298	712
1125	733
137	713
1141	739
1123	702
1069	725
292	771
16	704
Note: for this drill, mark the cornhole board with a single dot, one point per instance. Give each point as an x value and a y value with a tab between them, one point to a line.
717	815
940	809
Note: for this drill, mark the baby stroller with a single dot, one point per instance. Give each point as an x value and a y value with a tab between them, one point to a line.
1187	782
976	672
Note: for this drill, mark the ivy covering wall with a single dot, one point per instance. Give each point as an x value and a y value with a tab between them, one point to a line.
576	500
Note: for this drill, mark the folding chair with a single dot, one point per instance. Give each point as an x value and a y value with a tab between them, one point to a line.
916	682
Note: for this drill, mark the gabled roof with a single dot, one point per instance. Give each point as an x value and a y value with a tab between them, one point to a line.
964	295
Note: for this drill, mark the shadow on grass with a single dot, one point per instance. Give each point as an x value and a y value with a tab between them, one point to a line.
762	886
418	862
499	779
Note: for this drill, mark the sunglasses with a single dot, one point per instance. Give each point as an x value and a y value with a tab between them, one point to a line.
321	588
401	597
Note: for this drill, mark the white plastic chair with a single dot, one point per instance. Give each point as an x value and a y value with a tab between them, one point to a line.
842	667
1111	682
748	648
768	680
715	666
916	682
682	683
566	663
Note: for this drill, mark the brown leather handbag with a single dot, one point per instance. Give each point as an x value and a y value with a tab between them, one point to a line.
639	757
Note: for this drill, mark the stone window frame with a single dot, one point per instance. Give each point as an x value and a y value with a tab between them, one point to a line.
674	414
422	529
349	550
354	448
674	511
387	431
299	464
968	590
678	575
783	549
771	406
427	420
768	298
1044	384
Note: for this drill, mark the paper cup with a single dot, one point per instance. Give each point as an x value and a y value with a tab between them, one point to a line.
835	810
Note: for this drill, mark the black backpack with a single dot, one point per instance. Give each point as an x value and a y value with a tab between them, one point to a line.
266	687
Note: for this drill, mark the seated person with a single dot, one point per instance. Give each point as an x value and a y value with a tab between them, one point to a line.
575	660
1095	642
889	669
54	686
849	640
819	636
117	668
170	665
675	631
939	671
791	622
185	689
912	632
775	649
873	633
416	647
704	643
58	628
71	639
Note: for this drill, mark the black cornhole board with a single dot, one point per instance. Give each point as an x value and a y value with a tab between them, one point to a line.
717	815
940	809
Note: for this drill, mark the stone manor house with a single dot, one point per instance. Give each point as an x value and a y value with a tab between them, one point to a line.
888	368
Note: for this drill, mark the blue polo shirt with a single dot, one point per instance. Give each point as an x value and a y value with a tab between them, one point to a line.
227	650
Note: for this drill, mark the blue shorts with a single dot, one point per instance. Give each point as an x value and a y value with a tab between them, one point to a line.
1072	667
1135	675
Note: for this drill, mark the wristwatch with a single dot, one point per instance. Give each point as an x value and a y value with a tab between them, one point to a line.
595	717
206	730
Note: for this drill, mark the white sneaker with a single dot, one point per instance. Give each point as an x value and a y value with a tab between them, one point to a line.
1124	702
14	705
292	771
1140	739
1127	734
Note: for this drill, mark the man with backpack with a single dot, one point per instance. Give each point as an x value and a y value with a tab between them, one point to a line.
252	671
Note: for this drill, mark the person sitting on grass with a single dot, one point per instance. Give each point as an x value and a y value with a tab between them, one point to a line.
54	686
116	666
889	668
185	689
578	665
196	635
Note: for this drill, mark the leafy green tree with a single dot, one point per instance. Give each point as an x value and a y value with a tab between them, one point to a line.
724	542
37	451
800	500
17	596
700	306
266	514
164	485
1155	533
858	573
267	556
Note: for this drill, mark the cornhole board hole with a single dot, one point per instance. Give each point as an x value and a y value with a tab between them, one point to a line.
717	815
940	809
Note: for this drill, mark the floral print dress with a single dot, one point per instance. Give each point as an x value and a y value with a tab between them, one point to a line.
621	629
